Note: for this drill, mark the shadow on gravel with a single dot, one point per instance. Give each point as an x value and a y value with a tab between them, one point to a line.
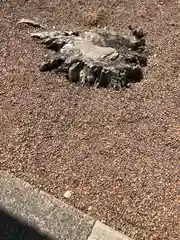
12	228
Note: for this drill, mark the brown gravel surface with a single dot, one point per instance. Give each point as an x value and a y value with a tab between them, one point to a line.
117	151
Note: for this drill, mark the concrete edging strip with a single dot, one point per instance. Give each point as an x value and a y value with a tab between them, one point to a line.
102	232
50	215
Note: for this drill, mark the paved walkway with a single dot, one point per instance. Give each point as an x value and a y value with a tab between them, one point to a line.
28	213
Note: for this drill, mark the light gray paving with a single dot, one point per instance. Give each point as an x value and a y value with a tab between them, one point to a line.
49	215
102	232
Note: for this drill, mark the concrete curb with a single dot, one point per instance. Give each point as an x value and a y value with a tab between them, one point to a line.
101	231
49	215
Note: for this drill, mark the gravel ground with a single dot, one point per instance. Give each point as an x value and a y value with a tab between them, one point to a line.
117	151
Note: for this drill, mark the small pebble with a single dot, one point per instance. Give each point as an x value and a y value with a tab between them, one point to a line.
67	194
89	208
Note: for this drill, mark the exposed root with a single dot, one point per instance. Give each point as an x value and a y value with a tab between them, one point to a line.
31	23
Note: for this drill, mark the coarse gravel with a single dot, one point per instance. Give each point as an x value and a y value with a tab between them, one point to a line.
117	151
